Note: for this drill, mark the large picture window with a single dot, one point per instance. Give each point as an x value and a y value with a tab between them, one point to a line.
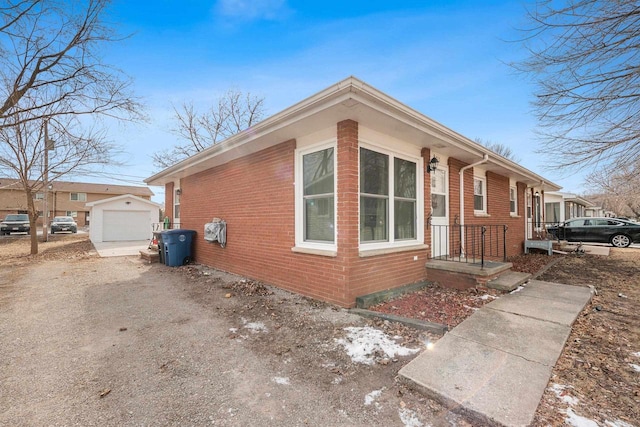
388	198
319	196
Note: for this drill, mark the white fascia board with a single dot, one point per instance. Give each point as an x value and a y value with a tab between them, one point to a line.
123	196
359	92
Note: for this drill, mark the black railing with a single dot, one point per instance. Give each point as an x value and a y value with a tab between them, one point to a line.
469	243
538	230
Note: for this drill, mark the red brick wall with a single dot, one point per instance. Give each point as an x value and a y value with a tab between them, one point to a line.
255	196
498	206
373	273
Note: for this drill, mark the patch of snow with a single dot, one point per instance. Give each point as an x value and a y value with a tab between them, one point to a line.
636	354
518	289
617	423
336	380
409	418
371	397
362	343
256	327
487	296
559	390
233	330
470	308
635	367
576	420
281	380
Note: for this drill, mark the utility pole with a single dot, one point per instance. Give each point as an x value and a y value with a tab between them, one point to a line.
48	145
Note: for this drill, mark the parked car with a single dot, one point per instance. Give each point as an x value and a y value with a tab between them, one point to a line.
15	223
618	232
63	223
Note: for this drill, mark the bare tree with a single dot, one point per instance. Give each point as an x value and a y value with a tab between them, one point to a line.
71	148
617	189
500	149
585	61
233	113
50	70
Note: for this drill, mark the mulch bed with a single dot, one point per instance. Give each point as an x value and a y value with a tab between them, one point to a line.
450	307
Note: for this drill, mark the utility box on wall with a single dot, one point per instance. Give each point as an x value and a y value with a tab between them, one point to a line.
216	231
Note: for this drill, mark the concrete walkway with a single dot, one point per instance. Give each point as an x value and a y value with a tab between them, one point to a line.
496	364
109	249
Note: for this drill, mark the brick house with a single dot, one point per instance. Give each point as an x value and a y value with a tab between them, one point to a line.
64	198
350	192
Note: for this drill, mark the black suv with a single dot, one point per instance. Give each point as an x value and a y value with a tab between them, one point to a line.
15	223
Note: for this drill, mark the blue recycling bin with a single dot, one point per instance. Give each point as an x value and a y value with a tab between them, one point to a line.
177	246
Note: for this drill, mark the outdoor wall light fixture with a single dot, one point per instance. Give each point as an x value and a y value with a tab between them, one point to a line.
179	192
433	164
537	194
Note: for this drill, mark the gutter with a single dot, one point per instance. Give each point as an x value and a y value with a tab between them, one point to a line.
485	159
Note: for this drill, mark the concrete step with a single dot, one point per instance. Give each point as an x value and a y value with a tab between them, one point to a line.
508	281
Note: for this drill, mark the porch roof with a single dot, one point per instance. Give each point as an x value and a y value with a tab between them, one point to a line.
356	100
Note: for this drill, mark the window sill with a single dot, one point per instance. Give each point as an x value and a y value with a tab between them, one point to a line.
481	214
514	215
385	251
311	251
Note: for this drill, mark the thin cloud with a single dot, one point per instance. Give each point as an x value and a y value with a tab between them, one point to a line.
253	10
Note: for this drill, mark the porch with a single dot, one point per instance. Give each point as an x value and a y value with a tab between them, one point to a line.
472	256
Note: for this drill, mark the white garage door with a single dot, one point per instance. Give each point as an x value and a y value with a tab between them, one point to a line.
125	225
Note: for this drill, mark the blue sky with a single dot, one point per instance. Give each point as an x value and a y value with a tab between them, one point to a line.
447	59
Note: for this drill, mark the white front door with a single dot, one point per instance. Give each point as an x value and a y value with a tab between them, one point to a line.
439	212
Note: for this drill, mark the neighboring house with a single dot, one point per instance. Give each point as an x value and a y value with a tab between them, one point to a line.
560	207
350	192
122	218
595	211
63	198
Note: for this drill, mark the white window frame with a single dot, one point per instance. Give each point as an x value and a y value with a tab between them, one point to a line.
73	214
514	211
80	197
392	243
331	247
38	196
482	179
176	202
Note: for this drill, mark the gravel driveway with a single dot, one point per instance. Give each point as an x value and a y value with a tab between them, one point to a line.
113	341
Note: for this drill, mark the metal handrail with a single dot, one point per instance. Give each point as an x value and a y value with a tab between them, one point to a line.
472	243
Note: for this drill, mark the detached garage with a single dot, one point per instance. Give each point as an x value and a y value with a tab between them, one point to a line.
122	218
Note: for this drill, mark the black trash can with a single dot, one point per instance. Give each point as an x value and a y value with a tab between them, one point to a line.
157	236
177	247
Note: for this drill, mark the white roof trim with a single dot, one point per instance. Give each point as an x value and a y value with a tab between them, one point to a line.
359	92
124	196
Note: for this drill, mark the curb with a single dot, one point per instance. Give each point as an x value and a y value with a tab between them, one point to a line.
435	328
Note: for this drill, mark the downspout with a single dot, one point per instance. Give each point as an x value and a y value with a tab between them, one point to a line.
485	159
